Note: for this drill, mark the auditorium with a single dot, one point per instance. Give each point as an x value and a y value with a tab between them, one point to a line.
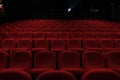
59	40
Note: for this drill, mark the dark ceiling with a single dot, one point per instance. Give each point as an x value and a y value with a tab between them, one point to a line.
57	8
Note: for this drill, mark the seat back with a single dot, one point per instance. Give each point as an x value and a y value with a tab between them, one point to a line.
92	60
45	59
14	75
56	75
21	59
3	59
113	59
69	59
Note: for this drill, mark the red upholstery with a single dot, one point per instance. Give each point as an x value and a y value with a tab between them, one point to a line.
26	35
56	75
117	43
100	75
24	43
93	60
74	45
8	44
63	35
21	60
3	59
43	61
76	35
107	43
70	61
14	75
113	60
41	44
39	35
51	36
91	43
57	45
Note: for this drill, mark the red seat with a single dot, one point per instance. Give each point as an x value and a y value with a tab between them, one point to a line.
76	35
106	43
89	35
70	61
93	60
101	35
57	45
100	75
56	75
63	35
24	43
39	35
74	45
26	35
43	61
51	36
14	35
8	44
4	35
41	44
20	60
91	43
113	60
117	43
14	75
3	59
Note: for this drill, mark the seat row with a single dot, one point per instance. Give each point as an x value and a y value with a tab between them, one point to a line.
59	75
69	61
53	35
59	45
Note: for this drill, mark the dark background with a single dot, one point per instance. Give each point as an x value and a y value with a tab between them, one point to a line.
81	9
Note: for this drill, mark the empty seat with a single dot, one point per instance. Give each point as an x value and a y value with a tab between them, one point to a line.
91	43
14	35
41	44
93	60
63	36
3	59
113	35
100	75
70	61
24	43
76	35
106	43
8	44
101	35
113	60
57	45
51	36
117	43
21	60
89	35
14	75
26	35
56	75
74	45
4	35
39	35
43	61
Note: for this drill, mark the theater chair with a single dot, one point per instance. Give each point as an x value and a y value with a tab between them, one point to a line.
93	60
20	60
98	74
8	44
113	60
43	61
56	75
14	75
70	61
3	59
